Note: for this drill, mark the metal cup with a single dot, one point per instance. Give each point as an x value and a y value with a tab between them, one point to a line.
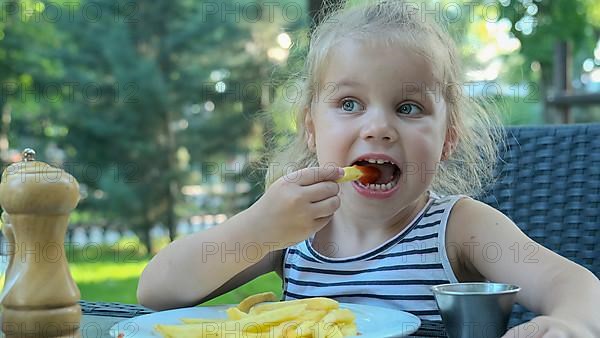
475	310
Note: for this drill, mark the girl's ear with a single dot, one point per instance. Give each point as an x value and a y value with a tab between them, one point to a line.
309	130
449	143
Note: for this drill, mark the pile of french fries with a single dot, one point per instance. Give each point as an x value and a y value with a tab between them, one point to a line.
262	316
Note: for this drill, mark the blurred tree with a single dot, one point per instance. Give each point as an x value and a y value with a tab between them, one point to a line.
540	25
512	42
163	89
28	75
142	70
133	97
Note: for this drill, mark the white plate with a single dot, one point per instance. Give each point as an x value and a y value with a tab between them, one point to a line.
371	321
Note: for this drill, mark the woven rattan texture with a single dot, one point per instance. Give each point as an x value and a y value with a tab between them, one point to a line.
548	183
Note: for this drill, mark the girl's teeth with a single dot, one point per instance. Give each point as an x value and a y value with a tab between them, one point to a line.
384	187
379	187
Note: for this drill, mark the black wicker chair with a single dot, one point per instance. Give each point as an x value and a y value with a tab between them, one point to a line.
549	185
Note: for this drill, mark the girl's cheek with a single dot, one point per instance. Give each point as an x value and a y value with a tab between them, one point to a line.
423	150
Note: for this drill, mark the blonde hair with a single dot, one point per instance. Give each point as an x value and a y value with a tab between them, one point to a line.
470	165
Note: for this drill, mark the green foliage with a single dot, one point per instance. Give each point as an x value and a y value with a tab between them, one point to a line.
27	72
135	86
554	21
519	112
539	26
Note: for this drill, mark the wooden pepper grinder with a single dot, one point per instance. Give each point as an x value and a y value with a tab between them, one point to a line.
40	298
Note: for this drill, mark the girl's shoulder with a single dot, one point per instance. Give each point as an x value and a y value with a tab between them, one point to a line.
492	247
470	215
480	234
471	219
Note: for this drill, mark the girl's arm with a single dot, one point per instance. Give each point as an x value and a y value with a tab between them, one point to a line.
565	293
203	265
275	258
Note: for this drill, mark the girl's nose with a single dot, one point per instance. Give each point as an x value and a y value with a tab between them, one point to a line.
379	128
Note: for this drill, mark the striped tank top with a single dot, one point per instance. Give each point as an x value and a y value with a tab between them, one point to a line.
397	274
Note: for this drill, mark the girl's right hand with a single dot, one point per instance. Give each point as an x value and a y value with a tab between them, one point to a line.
298	205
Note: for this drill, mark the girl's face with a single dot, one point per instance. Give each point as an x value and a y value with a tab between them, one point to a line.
379	103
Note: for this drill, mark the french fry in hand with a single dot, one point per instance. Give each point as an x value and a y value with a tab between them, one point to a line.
364	174
350	174
264	318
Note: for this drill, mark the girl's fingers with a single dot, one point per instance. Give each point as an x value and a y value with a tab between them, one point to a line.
309	176
321	191
326	207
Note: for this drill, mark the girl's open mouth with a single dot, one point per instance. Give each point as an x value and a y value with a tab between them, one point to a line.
385	184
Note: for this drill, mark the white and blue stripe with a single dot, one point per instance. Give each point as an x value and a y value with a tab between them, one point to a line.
397	274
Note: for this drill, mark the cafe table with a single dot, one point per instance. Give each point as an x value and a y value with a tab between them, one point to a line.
99	317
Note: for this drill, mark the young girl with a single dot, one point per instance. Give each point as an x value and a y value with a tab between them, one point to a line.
381	89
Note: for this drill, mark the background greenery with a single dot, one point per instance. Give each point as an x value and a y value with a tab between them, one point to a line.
140	100
111	273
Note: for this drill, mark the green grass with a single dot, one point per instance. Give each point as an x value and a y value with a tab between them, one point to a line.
111	274
266	282
108	282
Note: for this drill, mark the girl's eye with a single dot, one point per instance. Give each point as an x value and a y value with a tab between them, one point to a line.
409	109
351	105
